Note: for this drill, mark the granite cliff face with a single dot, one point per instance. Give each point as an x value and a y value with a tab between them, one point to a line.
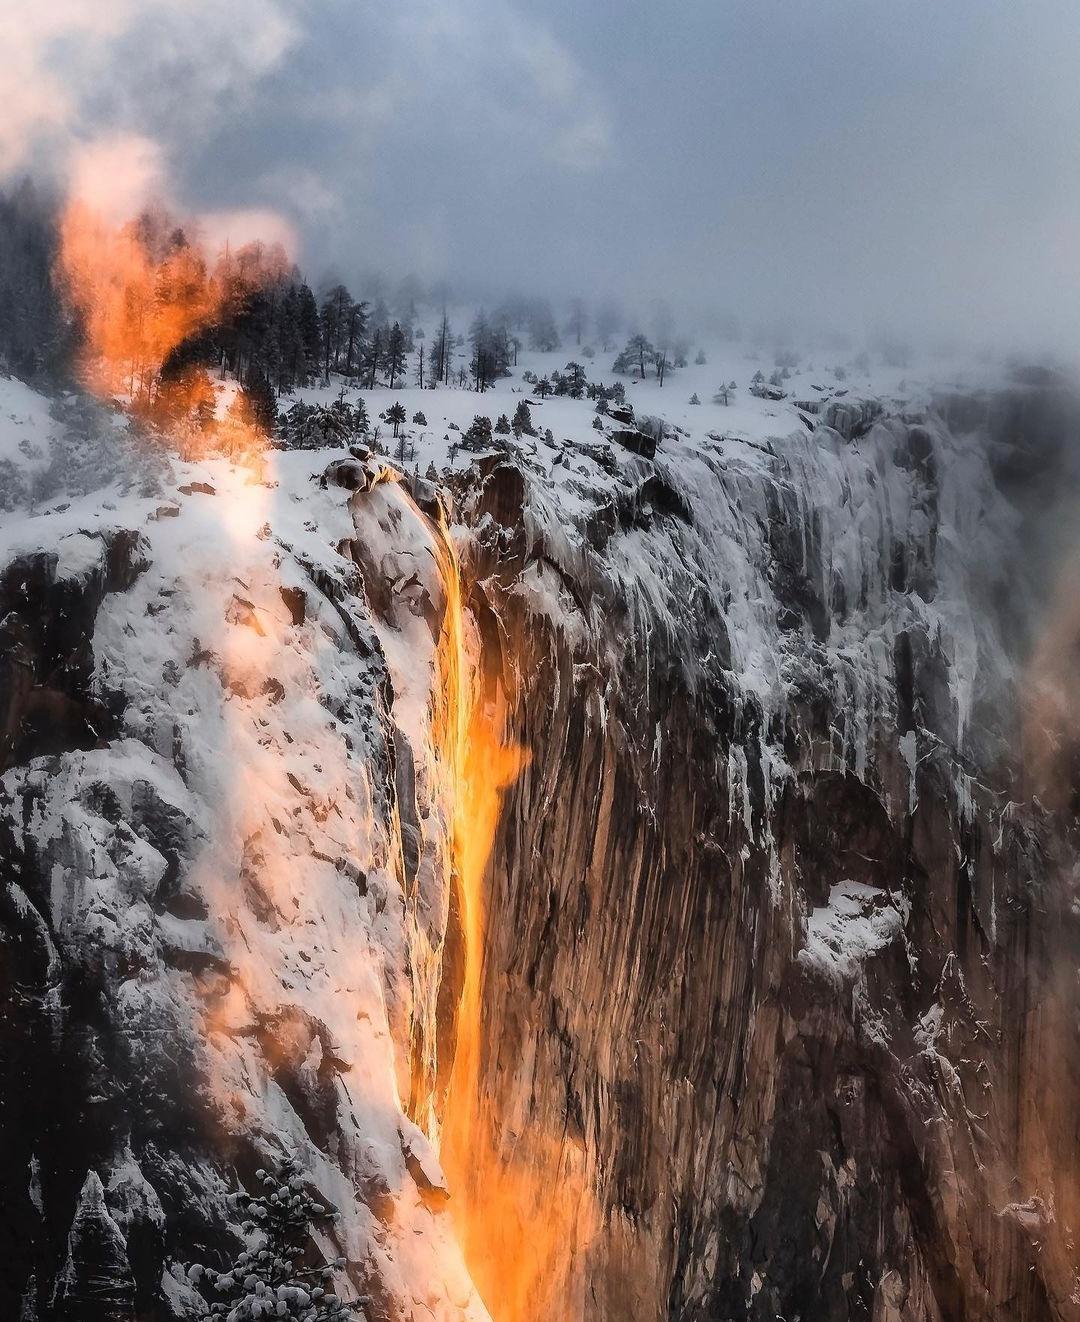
782	953
780	938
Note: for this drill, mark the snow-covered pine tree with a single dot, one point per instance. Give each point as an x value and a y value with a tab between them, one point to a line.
608	322
542	332
479	432
578	320
334	315
637	354
574	381
522	421
372	356
274	1279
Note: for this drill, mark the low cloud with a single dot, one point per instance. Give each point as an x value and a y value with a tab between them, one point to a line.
847	165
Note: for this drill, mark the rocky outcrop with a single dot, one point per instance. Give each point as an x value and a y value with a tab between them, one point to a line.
95	1284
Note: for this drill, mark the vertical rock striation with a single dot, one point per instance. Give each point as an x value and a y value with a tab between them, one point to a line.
782	947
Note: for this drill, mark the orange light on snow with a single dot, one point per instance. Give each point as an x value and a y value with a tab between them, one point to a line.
141	290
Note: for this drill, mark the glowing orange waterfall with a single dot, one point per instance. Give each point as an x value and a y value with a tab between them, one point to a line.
482	766
520	1215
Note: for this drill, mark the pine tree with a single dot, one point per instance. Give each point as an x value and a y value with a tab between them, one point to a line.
501	347
334	315
637	355
310	331
355	338
395	354
542	332
480	340
372	356
36	331
608	322
273	1281
294	363
523	419
441	350
578	320
395	414
574	381
260	400
502	425
479	432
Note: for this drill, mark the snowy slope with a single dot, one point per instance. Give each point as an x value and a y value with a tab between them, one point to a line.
229	857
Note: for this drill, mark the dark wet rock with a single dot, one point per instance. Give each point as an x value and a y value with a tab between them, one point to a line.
47	697
295	600
502	493
638	442
357	474
31	960
656	495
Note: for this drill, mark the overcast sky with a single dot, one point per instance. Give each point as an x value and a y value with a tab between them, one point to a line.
847	161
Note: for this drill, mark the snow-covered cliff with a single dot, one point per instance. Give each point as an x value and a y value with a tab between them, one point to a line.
783	949
778	996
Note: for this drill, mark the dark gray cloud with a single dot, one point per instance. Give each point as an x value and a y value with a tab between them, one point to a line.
847	162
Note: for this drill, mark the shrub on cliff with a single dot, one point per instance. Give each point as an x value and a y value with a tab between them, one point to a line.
273	1279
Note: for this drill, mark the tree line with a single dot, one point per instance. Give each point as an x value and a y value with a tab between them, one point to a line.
270	329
